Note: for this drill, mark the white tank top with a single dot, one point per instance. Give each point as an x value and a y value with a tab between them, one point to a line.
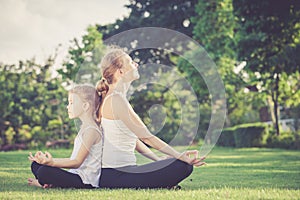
119	144
90	170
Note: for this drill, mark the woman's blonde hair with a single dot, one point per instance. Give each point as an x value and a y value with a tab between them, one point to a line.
110	63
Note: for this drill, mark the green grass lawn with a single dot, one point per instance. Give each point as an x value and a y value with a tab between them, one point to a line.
250	173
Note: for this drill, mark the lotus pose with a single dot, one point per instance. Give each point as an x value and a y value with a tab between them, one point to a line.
85	161
124	132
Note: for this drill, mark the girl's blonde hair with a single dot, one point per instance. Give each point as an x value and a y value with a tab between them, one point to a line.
110	63
89	94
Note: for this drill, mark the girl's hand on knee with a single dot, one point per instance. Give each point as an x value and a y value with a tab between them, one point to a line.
46	159
42	158
35	157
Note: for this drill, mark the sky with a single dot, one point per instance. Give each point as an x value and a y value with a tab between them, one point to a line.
35	28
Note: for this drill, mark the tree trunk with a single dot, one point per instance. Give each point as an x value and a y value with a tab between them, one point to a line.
271	107
275	95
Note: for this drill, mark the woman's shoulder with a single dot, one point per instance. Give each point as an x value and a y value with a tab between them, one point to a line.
117	99
116	95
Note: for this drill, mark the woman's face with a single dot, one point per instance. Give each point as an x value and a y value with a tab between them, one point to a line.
130	69
75	106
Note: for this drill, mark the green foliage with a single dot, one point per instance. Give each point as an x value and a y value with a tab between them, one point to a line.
258	135
214	28
81	65
226	138
250	135
25	133
167	108
172	14
268	39
286	140
34	102
265	34
9	135
268	35
244	135
31	98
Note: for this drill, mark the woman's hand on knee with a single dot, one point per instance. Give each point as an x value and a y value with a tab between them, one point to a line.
191	157
199	162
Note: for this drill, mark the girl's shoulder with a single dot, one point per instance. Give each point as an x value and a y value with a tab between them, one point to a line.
90	132
91	128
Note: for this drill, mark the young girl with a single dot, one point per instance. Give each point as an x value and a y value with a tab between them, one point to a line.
124	132
85	161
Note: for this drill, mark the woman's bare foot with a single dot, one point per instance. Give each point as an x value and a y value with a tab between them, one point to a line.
47	186
34	182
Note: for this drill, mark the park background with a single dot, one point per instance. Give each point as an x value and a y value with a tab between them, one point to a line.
256	48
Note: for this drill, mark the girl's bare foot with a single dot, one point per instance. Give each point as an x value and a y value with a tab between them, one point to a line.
34	182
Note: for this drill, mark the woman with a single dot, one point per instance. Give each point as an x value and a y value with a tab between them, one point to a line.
124	132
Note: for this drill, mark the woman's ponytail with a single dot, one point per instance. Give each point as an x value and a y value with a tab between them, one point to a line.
102	88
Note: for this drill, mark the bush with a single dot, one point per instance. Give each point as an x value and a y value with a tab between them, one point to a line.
250	135
226	138
286	140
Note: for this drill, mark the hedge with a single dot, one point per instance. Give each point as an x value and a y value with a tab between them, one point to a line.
245	135
286	140
250	135
226	138
257	135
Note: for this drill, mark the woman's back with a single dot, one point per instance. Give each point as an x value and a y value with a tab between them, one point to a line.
119	141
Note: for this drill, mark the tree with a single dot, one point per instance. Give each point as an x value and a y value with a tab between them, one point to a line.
268	40
171	14
84	56
214	26
31	99
174	15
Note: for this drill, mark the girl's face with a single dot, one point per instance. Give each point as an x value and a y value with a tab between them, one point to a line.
130	69
75	106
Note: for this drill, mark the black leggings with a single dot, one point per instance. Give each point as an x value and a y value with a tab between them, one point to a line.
160	174
57	177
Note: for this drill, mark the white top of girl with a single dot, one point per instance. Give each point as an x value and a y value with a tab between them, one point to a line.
90	170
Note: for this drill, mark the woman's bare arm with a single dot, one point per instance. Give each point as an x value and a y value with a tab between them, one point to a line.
145	151
123	111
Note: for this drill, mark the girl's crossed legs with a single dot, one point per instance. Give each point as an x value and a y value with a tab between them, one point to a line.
56	177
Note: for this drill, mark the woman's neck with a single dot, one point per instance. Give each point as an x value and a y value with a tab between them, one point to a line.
120	86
